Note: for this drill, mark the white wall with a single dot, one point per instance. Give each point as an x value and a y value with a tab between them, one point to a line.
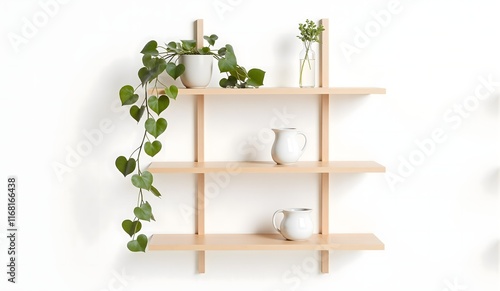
438	216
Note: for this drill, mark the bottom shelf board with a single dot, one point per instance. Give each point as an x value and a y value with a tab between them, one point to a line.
220	242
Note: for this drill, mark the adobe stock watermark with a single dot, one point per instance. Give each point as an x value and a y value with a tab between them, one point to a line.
454	285
294	277
32	25
372	29
250	147
118	281
223	6
453	118
218	181
92	138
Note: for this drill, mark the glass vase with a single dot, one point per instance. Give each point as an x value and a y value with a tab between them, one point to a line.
307	68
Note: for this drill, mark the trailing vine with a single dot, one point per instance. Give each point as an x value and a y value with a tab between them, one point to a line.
156	60
154	126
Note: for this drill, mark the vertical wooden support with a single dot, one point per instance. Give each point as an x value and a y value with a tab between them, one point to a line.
325	121
324	55
199	33
200	155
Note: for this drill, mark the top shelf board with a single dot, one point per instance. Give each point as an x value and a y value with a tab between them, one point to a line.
281	91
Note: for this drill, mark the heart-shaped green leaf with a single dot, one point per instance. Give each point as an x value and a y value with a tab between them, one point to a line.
211	39
143	181
256	77
228	63
137	112
145	75
148	61
149	74
188	45
240	73
155	191
223	83
175	71
172	91
172	46
229	82
155	128
152	148
131	227
222	51
204	50
127	95
139	244
158	104
150	48
144	212
125	166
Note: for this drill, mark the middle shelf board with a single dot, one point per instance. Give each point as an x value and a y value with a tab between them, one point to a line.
234	242
267	167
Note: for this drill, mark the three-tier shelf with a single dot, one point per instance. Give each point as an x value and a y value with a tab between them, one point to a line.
324	241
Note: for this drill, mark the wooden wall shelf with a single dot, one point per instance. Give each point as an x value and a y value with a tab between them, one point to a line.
324	241
281	91
267	167
271	242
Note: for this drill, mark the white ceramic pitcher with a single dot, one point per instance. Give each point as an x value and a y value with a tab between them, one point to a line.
296	224
286	148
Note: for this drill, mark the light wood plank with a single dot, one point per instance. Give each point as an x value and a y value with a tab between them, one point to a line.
325	218
324	55
278	91
200	154
325	128
200	128
266	167
220	242
200	204
199	33
324	139
200	218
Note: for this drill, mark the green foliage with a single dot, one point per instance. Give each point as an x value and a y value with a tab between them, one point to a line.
139	244
125	166
309	31
236	75
152	148
131	227
143	180
309	34
127	95
157	60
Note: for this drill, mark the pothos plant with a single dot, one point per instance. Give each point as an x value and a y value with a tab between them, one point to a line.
236	75
156	60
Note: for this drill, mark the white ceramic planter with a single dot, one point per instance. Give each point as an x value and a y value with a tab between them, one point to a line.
198	73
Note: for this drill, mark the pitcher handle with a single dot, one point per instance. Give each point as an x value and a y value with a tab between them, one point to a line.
305	140
274	219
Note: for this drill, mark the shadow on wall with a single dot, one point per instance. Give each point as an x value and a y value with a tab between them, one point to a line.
341	259
492	182
491	257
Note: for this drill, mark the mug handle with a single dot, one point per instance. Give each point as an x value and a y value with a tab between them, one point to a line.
274	219
305	140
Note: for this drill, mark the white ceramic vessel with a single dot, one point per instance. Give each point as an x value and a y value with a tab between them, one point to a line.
198	73
296	223
286	149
